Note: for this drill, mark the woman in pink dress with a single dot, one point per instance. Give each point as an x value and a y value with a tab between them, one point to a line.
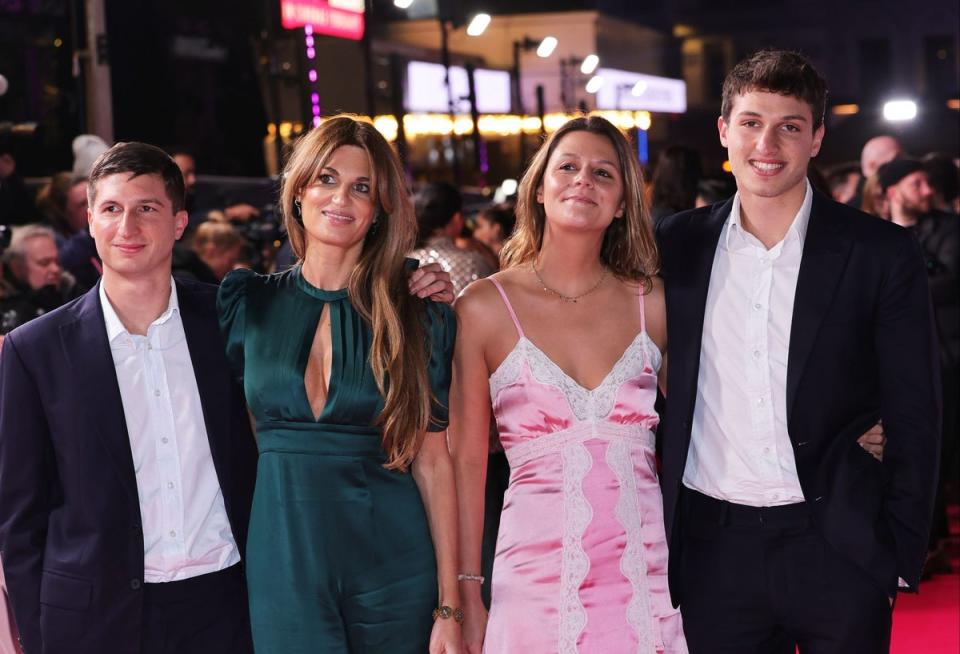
564	345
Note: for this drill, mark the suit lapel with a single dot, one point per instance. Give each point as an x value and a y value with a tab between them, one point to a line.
86	348
687	310
209	369
825	254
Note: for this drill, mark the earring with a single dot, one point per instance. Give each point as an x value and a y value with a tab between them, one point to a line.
374	226
297	211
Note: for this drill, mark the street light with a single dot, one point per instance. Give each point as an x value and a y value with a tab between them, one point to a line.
478	25
900	110
590	63
402	4
594	84
546	47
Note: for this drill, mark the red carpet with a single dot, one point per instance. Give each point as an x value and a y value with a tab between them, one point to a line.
929	622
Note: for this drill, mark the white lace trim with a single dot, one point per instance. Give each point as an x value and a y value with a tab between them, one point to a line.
632	563
534	448
508	372
575	562
585	404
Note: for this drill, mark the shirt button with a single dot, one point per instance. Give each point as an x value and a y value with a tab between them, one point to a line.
766	450
756	354
156	392
760	401
173	533
757	306
135	584
164	440
170	484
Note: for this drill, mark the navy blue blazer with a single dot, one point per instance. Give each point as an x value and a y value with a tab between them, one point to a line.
70	528
862	347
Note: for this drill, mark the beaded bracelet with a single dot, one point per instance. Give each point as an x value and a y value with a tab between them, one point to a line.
465	577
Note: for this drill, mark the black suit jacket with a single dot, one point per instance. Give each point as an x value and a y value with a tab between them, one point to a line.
862	347
70	528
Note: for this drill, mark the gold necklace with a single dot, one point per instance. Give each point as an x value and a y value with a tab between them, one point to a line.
568	298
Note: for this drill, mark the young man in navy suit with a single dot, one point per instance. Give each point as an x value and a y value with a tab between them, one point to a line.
795	323
126	458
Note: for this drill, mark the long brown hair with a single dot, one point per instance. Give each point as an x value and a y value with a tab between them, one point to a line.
628	248
378	284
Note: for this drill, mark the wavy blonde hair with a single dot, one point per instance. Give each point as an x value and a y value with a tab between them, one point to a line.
628	247
378	285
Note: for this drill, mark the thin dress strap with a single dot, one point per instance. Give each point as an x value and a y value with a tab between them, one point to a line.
506	301
643	318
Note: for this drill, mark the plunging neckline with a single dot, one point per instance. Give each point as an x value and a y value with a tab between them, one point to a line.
328	298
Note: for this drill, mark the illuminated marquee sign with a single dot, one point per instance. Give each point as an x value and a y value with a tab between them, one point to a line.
342	18
427	89
624	90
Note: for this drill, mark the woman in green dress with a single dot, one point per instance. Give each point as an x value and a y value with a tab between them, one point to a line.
352	545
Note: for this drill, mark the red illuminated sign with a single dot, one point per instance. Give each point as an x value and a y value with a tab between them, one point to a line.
322	17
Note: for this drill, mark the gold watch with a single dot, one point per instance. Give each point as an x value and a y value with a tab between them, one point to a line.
445	613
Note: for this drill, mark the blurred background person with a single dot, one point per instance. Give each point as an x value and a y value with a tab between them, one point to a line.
875	152
494	226
199	207
221	247
439	209
711	191
86	149
674	185
944	178
844	180
34	281
63	204
873	200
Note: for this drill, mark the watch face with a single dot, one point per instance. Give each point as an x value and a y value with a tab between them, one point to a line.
446	612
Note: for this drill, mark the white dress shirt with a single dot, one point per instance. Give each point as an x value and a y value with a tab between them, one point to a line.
740	450
186	531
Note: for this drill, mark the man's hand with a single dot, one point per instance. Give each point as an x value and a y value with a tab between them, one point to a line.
874	440
432	281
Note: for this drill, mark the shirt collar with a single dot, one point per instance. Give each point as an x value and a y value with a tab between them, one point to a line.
798	228
114	325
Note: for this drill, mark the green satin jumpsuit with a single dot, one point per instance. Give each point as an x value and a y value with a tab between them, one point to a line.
339	556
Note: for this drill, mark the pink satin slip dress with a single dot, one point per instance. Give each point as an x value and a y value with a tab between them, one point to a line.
581	557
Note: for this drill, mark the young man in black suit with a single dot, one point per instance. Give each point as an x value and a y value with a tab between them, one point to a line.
795	323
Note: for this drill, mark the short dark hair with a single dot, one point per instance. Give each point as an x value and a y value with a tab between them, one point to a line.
139	159
777	71
502	215
435	205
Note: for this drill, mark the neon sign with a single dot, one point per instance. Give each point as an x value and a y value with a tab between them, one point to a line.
326	17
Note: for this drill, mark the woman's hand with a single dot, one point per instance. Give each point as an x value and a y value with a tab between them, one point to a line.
874	440
445	637
432	281
474	628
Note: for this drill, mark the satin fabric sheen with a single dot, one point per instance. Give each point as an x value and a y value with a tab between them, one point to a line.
581	559
339	554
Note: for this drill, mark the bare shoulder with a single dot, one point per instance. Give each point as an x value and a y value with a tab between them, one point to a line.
480	309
